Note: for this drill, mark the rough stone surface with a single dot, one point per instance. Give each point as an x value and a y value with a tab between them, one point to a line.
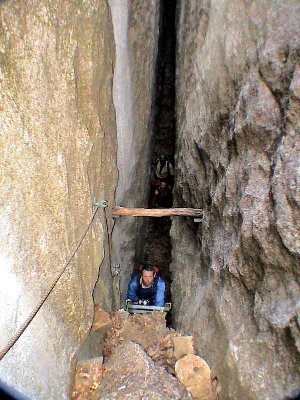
148	330
102	320
88	376
131	374
57	152
194	373
183	345
136	31
236	276
135	40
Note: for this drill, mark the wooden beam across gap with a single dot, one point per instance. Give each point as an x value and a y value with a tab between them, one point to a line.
157	212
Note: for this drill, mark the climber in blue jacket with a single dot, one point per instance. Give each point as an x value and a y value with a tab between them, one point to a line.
147	287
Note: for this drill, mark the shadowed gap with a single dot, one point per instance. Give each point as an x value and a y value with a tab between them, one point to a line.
158	249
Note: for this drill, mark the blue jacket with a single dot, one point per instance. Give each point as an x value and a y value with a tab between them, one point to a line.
157	290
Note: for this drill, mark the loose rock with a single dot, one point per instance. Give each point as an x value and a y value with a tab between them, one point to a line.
183	345
194	373
131	374
87	378
102	320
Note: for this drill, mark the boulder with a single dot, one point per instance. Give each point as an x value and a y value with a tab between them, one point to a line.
131	374
194	373
183	345
102	320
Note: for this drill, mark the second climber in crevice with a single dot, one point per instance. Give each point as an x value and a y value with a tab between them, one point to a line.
164	169
147	287
162	183
163	197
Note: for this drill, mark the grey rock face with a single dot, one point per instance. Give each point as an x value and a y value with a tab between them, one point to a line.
57	154
236	277
136	32
131	374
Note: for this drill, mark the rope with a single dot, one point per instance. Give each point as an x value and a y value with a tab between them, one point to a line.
25	324
108	242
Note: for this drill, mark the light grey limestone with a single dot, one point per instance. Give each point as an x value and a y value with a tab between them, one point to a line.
57	154
136	33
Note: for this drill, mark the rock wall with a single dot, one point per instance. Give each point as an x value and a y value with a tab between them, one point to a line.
236	276
136	50
58	153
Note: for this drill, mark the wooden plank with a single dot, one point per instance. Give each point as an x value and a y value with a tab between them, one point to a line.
157	212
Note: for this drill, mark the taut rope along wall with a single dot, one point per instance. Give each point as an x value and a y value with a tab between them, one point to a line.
13	340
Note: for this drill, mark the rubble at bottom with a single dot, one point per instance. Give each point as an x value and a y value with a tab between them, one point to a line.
143	359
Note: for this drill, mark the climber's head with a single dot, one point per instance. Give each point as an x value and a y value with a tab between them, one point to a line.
163	185
148	274
163	159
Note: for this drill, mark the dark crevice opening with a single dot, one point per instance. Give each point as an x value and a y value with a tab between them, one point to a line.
164	108
158	248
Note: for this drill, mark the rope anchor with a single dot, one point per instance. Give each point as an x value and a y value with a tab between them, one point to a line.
100	204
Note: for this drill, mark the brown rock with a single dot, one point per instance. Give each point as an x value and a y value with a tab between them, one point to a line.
183	345
168	341
146	330
194	373
169	353
87	378
149	331
131	374
102	320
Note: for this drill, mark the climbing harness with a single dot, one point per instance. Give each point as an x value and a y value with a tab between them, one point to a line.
101	204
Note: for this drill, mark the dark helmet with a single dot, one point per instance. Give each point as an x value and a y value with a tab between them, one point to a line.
163	157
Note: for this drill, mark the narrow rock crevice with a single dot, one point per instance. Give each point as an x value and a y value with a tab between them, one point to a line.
88	104
158	249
